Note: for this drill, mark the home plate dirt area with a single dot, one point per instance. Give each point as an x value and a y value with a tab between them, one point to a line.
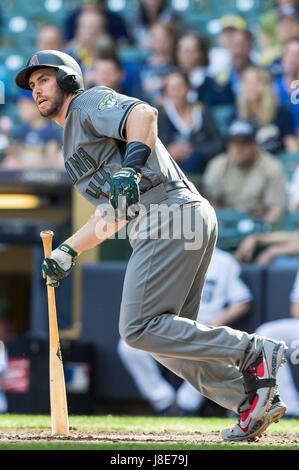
165	437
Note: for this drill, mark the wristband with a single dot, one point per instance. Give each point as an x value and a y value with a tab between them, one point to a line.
67	249
136	155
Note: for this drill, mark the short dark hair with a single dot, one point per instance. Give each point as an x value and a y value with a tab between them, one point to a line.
111	58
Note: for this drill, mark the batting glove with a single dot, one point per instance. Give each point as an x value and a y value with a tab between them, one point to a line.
59	265
124	184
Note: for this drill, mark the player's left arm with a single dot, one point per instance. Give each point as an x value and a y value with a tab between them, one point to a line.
141	129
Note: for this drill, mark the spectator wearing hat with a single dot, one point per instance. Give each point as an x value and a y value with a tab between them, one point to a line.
114	23
245	178
219	55
258	102
188	129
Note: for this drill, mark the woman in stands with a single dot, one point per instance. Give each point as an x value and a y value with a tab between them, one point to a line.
187	129
257	102
146	15
160	62
193	57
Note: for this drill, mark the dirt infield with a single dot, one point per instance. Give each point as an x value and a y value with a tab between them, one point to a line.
166	437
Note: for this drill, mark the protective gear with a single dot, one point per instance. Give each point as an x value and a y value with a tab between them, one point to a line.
124	183
69	76
59	265
136	155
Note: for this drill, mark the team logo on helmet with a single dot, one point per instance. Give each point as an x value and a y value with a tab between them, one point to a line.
34	61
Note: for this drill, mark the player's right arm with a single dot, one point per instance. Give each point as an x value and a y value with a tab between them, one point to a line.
95	231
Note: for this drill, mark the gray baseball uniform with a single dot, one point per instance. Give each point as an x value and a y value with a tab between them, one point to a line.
164	279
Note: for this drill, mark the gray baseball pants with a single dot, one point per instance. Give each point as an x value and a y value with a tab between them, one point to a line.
160	302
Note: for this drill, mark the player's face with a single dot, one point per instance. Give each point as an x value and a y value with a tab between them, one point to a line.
48	96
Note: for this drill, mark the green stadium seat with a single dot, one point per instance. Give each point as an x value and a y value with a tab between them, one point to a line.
233	226
292	221
290	161
222	114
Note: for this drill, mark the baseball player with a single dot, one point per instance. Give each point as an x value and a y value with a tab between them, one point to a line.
225	298
115	159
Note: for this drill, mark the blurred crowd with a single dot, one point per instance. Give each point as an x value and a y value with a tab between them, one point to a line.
228	108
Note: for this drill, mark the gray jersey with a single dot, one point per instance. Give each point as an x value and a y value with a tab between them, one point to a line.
94	144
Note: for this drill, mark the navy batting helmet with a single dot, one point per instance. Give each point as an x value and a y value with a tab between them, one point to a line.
69	75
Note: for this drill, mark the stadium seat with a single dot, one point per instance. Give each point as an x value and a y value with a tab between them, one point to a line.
222	114
289	161
292	221
233	226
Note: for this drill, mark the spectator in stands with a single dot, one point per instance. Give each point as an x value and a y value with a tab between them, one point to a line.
107	71
148	13
219	55
245	178
50	37
38	142
188	129
225	299
228	80
90	27
105	48
160	62
114	22
286	85
265	248
269	41
287	329
258	102
287	29
193	58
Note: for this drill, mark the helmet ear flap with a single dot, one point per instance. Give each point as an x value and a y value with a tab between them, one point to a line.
67	81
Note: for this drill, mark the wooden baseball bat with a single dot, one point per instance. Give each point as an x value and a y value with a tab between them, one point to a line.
58	402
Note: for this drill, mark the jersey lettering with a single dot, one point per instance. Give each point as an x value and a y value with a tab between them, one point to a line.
80	162
95	190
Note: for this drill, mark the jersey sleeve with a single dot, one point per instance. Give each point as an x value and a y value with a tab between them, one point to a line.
106	114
